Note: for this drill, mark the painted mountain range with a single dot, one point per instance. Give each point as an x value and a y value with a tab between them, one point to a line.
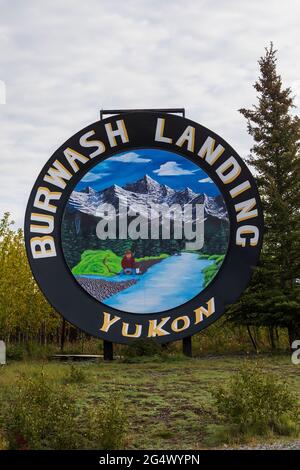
140	194
82	215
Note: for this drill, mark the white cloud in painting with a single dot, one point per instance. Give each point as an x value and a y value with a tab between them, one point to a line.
130	157
205	180
90	177
172	169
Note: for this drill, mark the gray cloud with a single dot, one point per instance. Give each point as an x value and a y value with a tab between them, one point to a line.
62	61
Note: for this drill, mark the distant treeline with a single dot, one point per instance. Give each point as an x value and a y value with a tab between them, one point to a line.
27	318
75	241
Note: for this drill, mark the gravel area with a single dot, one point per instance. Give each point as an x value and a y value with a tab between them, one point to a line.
287	445
100	289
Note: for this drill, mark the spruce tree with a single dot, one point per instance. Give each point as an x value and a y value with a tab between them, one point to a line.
273	297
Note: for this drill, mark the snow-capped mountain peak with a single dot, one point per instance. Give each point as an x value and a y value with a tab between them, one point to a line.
142	193
143	186
89	190
215	206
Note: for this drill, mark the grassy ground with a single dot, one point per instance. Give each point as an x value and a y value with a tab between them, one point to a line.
169	403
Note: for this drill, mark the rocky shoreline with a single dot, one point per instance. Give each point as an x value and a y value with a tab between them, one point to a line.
100	289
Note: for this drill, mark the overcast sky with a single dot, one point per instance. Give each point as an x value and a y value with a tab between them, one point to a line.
63	60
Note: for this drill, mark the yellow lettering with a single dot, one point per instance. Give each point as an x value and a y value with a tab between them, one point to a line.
72	156
57	175
199	312
108	322
42	247
136	334
209	152
156	329
186	323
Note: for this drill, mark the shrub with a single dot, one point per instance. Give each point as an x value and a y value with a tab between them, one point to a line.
15	352
34	350
30	349
41	415
107	424
101	262
142	347
75	375
3	442
257	402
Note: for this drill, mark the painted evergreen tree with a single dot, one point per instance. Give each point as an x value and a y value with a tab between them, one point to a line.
273	297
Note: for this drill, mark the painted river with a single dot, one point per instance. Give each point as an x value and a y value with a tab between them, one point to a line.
165	285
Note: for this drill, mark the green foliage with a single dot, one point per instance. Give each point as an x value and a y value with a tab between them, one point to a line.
149	258
273	298
104	263
147	350
15	352
98	262
3	442
216	236
24	311
217	258
108	424
35	350
211	271
257	402
74	243
151	394
204	256
76	375
40	413
29	350
142	347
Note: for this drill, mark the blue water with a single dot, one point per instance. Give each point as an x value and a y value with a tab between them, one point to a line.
165	285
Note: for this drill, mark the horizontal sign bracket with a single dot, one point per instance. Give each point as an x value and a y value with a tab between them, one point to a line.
111	112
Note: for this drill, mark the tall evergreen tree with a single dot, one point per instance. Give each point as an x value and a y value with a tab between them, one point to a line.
273	297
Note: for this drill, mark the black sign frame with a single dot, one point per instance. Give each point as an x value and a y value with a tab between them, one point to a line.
77	306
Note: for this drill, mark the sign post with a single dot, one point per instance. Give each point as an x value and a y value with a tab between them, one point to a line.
187	346
108	350
144	224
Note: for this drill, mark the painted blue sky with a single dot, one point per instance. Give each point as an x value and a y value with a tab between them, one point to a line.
163	166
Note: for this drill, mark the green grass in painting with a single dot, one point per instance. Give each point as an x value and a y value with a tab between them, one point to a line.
98	262
149	258
104	263
210	271
204	256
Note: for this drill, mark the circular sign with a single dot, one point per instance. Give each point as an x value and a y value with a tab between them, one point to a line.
143	225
